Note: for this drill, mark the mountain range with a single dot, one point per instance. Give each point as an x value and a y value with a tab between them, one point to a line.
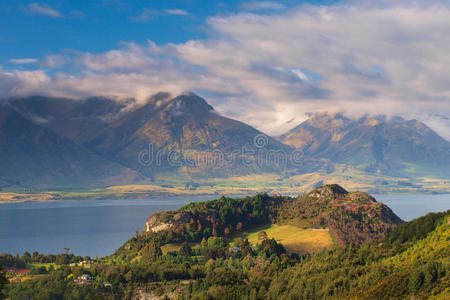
376	144
98	141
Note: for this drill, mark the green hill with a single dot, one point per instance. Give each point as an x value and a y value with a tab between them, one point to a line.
348	217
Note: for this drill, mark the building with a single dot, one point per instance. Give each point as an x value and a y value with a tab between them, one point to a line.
85	278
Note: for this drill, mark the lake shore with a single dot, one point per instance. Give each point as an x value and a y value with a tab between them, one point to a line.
237	185
151	191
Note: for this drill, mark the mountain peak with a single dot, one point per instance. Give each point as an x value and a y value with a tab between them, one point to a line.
188	103
329	190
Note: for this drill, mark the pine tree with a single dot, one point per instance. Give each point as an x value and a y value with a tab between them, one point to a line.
151	251
186	250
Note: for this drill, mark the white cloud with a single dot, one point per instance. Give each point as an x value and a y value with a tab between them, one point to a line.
300	74
386	57
149	14
177	12
44	10
23	60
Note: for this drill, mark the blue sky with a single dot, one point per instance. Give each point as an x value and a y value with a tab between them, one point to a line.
267	63
37	28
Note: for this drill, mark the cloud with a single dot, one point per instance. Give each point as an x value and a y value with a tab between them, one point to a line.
177	12
300	74
149	14
23	60
384	57
44	10
262	5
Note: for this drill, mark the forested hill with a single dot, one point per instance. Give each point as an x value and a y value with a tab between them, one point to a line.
349	217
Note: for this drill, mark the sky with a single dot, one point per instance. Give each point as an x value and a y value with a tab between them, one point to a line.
267	63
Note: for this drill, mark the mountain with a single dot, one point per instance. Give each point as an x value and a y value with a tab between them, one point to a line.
34	156
183	137
392	146
184	134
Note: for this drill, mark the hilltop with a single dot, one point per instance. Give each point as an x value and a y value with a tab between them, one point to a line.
349	217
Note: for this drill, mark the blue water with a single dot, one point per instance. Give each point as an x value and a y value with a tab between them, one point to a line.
409	207
98	227
94	227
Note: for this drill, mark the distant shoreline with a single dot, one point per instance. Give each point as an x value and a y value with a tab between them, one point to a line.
9	197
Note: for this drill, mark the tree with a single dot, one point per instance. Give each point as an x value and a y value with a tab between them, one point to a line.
3	282
186	250
246	248
239	226
26	257
262	235
416	280
226	232
204	243
35	256
270	246
151	251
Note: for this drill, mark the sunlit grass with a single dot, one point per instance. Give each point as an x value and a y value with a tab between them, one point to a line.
293	238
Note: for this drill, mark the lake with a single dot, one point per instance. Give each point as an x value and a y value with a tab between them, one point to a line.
98	227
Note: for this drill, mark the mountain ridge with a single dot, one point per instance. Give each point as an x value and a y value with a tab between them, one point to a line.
377	144
183	136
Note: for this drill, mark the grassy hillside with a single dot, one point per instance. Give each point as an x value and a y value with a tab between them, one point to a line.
293	239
